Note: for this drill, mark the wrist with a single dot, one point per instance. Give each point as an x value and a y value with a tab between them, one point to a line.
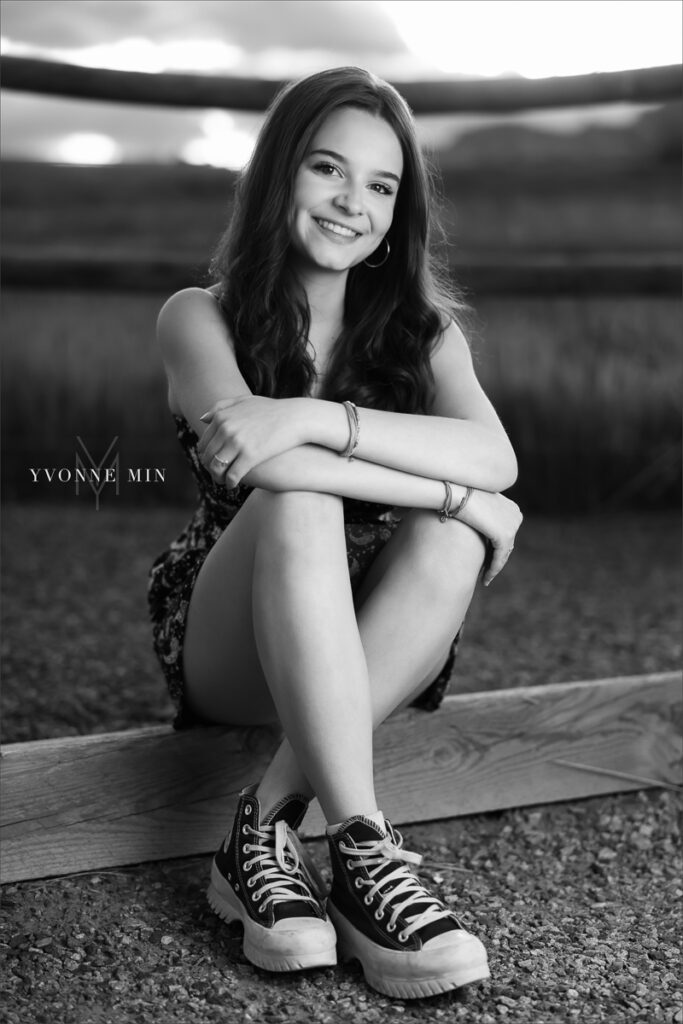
326	424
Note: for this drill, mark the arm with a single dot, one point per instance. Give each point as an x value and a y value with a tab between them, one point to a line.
200	364
464	440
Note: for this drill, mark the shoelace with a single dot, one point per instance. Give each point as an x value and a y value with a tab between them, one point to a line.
400	882
286	872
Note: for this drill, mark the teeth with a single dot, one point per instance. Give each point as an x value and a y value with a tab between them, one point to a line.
337	229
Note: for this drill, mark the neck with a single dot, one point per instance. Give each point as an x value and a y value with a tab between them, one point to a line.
325	294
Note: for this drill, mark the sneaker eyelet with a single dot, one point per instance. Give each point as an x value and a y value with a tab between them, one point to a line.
261	910
401	937
246	866
391	927
247	809
251	882
246	848
379	914
245	830
350	865
358	883
255	897
367	899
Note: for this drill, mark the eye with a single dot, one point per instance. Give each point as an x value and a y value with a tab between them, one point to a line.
383	190
326	169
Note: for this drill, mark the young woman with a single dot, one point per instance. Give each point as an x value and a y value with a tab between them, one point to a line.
350	471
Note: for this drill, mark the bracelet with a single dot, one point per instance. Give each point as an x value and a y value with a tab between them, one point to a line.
445	512
354	431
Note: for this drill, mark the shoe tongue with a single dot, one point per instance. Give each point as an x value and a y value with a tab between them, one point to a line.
290	809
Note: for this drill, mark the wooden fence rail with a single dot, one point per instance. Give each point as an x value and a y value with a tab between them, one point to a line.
89	802
641	85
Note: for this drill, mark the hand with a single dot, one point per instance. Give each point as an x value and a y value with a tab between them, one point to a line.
498	519
244	432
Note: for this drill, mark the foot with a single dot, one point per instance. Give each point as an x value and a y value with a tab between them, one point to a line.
409	943
262	877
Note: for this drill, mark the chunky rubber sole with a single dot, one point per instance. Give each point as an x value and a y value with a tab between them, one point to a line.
441	967
292	944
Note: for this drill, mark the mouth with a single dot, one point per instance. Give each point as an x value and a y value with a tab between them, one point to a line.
339	230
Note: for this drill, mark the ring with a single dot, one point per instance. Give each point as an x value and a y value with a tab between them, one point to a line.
221	462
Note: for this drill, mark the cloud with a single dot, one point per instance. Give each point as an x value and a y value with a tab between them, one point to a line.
359	26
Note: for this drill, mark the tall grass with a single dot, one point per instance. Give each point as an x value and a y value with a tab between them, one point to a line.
588	390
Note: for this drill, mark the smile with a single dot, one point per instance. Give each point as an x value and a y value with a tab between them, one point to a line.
336	229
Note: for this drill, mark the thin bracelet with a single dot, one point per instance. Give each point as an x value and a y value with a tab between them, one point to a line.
461	506
354	431
445	512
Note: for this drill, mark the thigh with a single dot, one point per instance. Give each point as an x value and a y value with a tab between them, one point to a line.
224	681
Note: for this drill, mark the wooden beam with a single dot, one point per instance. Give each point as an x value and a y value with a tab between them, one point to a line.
481	272
443	96
91	802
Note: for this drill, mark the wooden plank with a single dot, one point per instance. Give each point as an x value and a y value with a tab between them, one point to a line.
441	96
83	803
482	272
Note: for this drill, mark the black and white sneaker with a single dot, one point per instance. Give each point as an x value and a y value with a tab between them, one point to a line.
409	943
262	876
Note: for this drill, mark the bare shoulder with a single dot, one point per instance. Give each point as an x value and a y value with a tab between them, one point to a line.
188	302
452	347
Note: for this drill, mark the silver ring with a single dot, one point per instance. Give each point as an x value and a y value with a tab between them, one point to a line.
221	462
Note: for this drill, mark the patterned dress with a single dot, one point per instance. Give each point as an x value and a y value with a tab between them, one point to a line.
172	576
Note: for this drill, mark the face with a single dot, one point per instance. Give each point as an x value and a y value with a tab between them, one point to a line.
345	191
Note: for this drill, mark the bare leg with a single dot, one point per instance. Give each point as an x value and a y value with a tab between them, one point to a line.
410	607
286	615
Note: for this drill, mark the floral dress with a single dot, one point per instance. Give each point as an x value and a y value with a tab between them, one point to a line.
172	576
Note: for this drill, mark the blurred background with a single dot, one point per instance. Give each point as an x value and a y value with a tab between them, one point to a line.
562	225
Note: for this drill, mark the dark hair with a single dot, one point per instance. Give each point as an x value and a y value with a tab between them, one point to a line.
393	314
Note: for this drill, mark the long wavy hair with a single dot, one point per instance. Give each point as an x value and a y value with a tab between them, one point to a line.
393	314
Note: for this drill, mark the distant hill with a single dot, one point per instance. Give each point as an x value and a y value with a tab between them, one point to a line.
504	186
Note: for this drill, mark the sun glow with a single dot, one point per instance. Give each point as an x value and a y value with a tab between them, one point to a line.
85	148
223	142
538	40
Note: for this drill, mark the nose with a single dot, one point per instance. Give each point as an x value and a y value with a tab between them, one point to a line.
350	199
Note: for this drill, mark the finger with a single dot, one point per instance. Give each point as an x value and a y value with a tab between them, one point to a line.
218	468
498	563
205	440
239	468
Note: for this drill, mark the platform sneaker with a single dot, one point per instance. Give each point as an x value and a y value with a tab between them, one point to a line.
262	876
408	942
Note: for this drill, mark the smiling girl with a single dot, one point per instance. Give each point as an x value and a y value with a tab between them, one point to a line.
350	471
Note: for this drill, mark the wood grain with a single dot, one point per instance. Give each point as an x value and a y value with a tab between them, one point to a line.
91	802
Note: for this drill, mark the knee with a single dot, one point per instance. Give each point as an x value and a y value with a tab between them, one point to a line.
301	515
449	556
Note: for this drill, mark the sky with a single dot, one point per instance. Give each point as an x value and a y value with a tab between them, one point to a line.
397	39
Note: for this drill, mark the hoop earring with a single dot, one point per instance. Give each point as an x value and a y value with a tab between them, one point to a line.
381	262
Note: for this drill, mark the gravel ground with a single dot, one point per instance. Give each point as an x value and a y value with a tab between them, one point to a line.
577	903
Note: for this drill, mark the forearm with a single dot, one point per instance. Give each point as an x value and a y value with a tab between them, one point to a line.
437	447
314	468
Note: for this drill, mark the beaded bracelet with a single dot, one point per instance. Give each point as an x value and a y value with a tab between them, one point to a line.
445	512
354	431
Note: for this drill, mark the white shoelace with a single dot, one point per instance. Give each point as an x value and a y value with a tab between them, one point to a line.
285	873
401	882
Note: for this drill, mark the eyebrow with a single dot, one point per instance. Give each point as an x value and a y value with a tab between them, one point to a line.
342	159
